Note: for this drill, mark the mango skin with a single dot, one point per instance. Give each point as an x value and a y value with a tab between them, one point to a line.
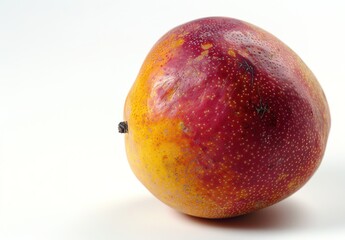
224	119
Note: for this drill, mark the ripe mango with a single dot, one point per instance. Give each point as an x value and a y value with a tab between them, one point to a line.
224	119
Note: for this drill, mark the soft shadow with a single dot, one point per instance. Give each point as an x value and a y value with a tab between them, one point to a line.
288	214
132	218
317	206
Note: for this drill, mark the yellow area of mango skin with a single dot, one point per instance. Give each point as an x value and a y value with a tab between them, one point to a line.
231	53
156	148
206	46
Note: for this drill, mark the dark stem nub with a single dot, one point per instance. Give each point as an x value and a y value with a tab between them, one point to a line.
123	127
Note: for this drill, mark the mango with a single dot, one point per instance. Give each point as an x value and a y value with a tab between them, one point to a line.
224	119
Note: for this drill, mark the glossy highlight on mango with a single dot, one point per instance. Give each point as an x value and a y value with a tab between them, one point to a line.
224	119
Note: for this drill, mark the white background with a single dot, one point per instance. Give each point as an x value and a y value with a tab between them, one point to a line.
65	69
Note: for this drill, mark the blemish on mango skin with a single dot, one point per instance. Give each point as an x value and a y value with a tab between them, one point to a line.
294	184
282	177
202	55
206	46
183	127
232	53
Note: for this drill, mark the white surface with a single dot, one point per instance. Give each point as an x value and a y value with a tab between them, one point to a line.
65	70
